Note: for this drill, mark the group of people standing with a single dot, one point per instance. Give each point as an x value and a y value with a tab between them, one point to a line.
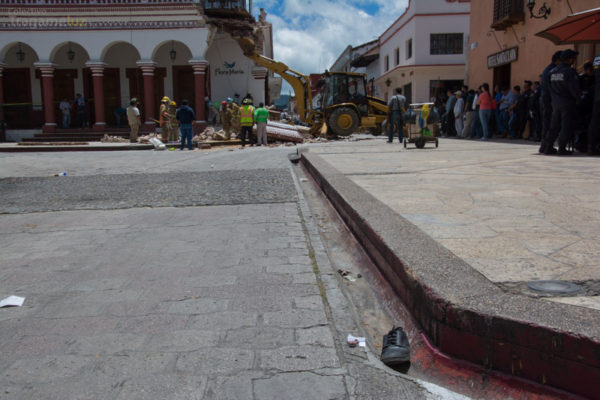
241	119
78	107
563	106
468	113
171	120
174	121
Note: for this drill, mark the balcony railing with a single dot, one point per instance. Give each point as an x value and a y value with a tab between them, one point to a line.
227	5
90	2
507	13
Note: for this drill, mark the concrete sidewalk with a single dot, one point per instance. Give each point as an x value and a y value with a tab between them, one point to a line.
466	227
174	275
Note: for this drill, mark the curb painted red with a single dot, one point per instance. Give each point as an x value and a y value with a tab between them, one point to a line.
517	347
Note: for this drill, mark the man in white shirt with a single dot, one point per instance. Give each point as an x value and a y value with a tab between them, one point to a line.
134	120
65	108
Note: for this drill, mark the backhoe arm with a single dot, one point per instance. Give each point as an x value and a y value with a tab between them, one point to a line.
299	82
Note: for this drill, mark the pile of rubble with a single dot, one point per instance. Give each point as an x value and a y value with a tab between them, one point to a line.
145	139
210	134
113	139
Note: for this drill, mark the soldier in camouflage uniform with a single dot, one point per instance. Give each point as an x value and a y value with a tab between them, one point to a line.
225	119
173	123
234	117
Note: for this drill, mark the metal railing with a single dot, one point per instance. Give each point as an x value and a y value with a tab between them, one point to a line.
91	2
507	12
227	5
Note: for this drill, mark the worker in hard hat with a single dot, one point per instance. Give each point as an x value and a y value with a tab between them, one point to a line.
247	121
173	123
163	113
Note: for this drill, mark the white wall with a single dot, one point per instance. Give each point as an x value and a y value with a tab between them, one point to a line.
398	40
225	82
439	24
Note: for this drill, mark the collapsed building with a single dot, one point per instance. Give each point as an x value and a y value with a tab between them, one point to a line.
110	51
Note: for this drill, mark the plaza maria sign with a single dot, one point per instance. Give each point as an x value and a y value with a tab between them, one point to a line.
229	69
504	57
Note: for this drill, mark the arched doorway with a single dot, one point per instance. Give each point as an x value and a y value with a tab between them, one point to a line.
122	80
173	57
22	105
70	59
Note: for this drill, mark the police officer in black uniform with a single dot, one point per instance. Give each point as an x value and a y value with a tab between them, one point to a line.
566	93
546	101
594	129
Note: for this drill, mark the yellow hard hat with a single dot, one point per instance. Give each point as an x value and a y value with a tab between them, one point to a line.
165	99
173	104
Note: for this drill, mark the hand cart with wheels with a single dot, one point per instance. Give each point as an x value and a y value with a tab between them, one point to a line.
421	120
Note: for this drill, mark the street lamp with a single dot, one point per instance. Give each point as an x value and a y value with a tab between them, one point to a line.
172	53
70	54
20	54
543	12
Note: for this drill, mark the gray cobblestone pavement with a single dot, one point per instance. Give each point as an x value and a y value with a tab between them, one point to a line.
133	298
174	189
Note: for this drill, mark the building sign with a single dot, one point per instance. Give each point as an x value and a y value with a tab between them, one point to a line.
503	57
229	69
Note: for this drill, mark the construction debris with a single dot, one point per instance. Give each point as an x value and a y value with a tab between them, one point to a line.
113	139
158	145
209	134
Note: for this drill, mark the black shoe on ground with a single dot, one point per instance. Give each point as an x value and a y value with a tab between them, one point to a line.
396	349
542	149
550	151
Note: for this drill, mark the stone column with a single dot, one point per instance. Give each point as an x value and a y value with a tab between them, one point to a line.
148	68
200	67
2	65
97	68
260	74
47	72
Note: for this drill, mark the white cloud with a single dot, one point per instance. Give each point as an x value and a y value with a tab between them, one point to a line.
309	35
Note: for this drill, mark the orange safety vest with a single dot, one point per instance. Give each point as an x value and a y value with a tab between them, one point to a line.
246	116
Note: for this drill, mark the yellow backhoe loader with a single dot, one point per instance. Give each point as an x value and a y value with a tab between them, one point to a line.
342	106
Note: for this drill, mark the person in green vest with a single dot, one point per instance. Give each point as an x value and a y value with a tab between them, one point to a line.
261	117
247	121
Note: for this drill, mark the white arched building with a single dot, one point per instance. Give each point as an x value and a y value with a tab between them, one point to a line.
112	50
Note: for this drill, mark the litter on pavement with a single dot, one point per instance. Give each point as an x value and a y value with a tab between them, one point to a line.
12	301
348	275
354	340
158	145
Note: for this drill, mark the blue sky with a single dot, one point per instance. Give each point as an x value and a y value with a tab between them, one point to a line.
309	35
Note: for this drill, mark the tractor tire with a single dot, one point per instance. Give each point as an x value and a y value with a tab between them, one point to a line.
420	143
343	121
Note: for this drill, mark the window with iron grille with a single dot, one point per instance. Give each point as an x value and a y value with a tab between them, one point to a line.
507	12
446	43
